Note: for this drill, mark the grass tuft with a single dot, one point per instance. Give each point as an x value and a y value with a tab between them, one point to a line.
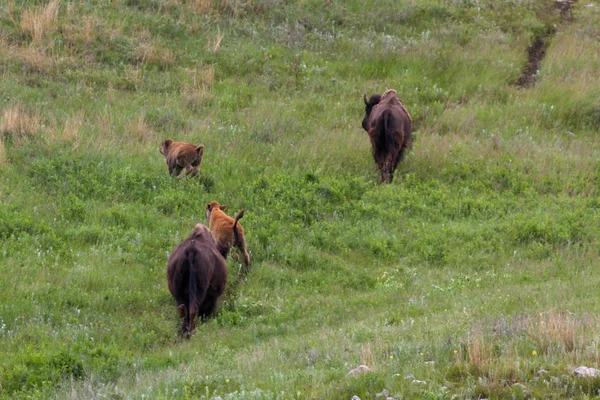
151	52
71	131
2	153
139	131
215	45
199	6
198	85
560	333
17	123
39	22
479	351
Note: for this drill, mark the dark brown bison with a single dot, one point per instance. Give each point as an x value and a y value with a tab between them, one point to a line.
197	275
180	155
389	127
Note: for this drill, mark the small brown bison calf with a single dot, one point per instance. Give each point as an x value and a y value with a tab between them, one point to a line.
226	231
197	275
180	155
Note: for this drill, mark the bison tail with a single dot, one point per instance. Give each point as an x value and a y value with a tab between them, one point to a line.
238	217
393	135
381	132
236	233
193	305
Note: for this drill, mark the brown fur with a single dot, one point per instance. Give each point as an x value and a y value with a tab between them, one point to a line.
227	231
180	155
389	127
196	275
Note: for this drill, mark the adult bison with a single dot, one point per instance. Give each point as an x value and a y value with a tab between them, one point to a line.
196	275
389	127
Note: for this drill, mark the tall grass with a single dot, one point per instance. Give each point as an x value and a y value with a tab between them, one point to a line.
40	21
18	123
2	152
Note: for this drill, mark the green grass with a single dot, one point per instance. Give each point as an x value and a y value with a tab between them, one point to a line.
475	270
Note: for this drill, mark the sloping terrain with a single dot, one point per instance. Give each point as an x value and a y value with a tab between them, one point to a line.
474	274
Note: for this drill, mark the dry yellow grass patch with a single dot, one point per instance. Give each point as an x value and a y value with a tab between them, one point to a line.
199	6
17	123
214	45
134	77
477	350
366	355
197	89
40	21
568	336
70	132
105	124
562	334
33	59
140	131
84	30
151	52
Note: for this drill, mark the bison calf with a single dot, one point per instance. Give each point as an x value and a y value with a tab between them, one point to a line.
196	275
227	231
180	155
389	127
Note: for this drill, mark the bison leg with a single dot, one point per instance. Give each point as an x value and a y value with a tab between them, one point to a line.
380	161
389	171
246	258
187	325
183	314
209	305
184	172
242	248
385	177
176	170
381	168
201	293
390	166
240	243
189	170
395	161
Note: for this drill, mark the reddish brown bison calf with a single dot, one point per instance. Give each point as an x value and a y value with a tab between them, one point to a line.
227	231
180	155
197	275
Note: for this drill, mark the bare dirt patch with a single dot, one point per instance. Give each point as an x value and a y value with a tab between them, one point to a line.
537	50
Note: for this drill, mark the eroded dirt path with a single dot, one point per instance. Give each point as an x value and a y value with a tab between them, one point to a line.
537	50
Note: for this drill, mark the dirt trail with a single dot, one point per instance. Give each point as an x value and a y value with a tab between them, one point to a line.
537	50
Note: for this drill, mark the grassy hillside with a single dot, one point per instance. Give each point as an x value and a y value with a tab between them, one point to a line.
474	274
